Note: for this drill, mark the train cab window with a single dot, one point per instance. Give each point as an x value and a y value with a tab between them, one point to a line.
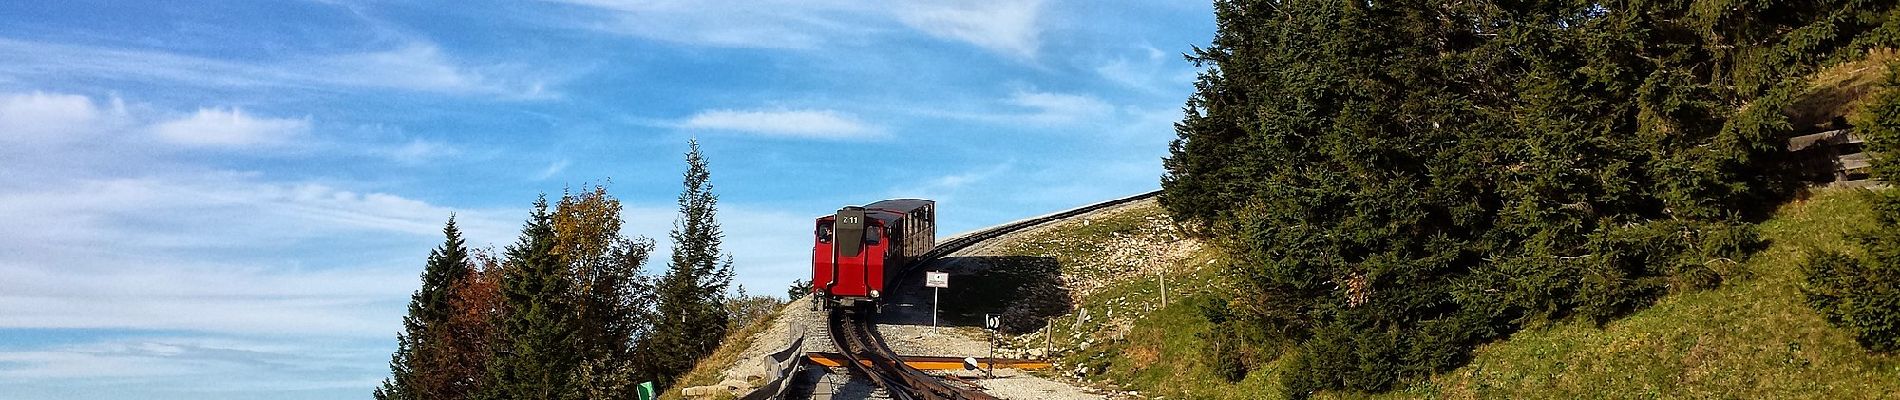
824	232
871	235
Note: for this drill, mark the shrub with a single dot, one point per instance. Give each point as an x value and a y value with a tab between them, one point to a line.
1231	348
1860	297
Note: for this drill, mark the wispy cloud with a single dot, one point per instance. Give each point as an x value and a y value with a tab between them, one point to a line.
177	366
231	127
1151	71
1008	27
552	169
1058	108
1026	108
947	188
1011	28
728	23
414	66
63	266
811	124
62	125
416	151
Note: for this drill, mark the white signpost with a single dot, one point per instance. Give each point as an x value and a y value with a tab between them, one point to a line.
937	281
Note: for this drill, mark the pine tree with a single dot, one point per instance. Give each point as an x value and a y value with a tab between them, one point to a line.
535	356
692	316
413	368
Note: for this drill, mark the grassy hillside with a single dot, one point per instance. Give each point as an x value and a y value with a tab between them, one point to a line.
1119	332
712	369
1751	338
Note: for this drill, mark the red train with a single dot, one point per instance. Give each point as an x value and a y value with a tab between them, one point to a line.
860	251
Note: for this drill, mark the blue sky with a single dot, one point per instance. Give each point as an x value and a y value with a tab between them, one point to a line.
233	199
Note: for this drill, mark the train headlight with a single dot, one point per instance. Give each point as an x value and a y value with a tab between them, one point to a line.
873	292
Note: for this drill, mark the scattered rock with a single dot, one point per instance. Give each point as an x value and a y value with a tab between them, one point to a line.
731	386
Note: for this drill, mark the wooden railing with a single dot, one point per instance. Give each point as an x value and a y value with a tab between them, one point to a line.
1834	158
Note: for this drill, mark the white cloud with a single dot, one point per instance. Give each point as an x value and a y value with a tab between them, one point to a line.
173	365
53	117
946	188
552	170
729	23
415	151
1007	27
423	67
1011	27
59	128
814	124
217	252
413	66
230	128
1152	72
1059	108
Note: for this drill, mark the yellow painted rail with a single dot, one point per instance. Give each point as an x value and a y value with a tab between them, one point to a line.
931	362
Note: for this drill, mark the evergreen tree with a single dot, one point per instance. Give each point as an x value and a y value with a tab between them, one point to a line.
414	372
1400	180
692	317
535	355
800	288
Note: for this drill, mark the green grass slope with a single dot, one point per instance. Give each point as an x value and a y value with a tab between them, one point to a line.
1753	337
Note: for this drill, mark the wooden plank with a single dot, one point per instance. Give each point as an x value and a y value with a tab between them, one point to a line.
932	363
1854	161
1833	137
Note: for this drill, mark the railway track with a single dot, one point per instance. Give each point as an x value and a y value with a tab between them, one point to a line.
857	337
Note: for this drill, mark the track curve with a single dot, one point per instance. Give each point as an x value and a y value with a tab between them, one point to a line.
857	337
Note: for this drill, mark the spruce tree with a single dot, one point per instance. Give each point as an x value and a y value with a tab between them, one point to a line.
1401	180
691	295
535	355
413	372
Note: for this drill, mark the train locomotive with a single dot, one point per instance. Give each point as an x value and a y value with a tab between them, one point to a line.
860	252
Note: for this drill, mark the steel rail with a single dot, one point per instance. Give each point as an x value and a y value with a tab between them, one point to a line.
858	339
952	245
852	340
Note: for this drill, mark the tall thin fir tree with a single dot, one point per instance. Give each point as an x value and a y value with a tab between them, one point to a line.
692	293
534	358
412	367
